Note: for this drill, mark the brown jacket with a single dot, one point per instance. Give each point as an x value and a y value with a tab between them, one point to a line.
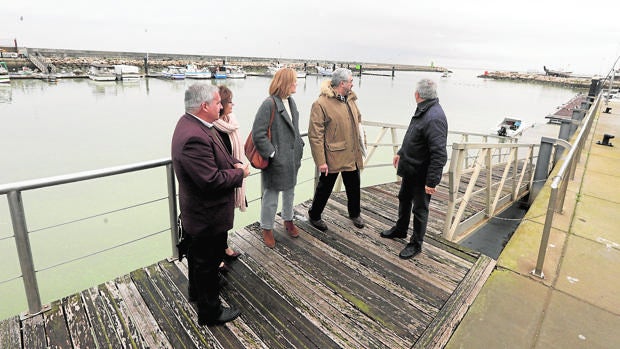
334	132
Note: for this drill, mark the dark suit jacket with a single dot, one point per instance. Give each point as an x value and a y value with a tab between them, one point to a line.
207	178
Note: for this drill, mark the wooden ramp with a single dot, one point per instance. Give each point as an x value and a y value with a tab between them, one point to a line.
344	288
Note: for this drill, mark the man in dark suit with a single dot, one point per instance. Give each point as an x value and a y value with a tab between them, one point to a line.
207	176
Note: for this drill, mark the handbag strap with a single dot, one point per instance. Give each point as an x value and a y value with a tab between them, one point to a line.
273	114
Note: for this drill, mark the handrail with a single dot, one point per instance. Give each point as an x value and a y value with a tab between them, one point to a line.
21	234
559	184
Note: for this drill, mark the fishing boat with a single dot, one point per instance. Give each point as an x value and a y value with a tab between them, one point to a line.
4	74
101	72
126	72
511	127
234	72
324	71
193	72
173	72
220	73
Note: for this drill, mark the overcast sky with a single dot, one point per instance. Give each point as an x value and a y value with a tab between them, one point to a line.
578	36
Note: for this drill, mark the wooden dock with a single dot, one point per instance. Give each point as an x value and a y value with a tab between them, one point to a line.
343	288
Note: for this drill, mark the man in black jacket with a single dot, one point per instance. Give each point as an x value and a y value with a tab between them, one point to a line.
419	162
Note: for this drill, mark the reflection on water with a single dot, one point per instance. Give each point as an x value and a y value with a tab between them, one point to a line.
5	93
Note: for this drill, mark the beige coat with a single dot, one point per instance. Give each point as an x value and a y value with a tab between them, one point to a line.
334	132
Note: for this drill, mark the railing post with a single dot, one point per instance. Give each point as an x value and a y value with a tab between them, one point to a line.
22	242
542	250
172	209
542	166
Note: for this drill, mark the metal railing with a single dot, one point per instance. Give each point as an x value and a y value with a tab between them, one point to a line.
559	183
20	229
14	191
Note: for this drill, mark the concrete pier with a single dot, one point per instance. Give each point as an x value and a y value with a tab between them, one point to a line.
576	305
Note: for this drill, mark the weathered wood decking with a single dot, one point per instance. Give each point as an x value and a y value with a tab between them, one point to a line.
344	288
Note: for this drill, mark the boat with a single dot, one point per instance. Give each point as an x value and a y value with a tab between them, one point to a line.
511	127
173	72
4	74
234	72
101	72
126	72
193	72
324	71
272	69
220	73
558	73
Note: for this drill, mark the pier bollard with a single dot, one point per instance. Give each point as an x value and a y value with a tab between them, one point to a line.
595	87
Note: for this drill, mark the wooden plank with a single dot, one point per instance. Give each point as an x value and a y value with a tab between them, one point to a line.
55	327
34	332
441	328
186	316
338	318
245	337
369	298
10	336
77	322
136	308
161	311
288	327
102	326
371	259
125	325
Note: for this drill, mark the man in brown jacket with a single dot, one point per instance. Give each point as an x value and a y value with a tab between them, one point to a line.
334	135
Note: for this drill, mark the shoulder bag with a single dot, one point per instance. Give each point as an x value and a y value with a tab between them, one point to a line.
256	160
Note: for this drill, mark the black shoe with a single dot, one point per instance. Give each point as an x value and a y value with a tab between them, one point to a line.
319	224
410	251
393	233
357	221
227	314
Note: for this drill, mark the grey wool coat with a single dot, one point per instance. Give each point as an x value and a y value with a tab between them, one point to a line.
286	142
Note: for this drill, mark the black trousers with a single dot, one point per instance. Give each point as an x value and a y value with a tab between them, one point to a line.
413	199
203	259
351	180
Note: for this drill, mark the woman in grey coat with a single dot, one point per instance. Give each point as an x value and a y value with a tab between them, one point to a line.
284	151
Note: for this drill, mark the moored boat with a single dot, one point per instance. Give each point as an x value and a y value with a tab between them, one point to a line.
126	72
173	72
234	72
4	74
193	72
324	71
101	72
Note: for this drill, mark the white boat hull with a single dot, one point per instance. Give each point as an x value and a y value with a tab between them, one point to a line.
102	77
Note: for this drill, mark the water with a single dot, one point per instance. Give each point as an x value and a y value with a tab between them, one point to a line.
80	125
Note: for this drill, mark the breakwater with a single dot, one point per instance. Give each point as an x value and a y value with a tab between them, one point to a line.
576	82
78	61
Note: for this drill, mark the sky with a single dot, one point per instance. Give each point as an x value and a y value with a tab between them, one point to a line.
525	35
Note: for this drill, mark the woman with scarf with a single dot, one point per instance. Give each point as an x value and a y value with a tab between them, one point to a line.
228	128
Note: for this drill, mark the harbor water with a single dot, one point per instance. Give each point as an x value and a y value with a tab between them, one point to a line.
80	125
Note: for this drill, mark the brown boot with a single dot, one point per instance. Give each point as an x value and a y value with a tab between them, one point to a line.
270	241
291	228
